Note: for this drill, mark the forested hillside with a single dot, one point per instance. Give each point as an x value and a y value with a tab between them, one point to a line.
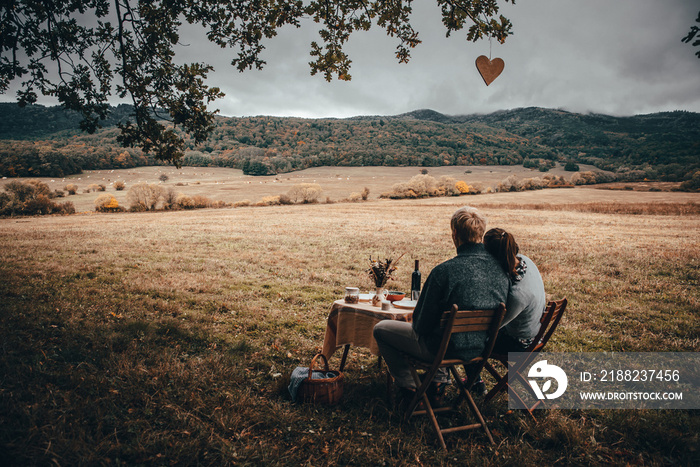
44	141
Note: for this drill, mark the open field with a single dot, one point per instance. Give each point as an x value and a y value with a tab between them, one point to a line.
338	183
167	338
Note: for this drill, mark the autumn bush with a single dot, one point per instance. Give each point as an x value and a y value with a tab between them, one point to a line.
107	203
693	184
31	197
184	201
219	204
305	193
144	197
269	201
201	202
423	186
285	199
365	194
71	188
119	185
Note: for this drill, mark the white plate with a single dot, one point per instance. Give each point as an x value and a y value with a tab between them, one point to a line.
407	304
366	297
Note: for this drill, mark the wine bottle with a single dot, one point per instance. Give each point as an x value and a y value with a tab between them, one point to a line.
415	283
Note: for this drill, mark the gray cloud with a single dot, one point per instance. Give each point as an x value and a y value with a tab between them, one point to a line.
623	57
619	57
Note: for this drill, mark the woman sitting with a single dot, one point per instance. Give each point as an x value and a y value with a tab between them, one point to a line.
526	296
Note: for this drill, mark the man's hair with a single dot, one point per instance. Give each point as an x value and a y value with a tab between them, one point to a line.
468	225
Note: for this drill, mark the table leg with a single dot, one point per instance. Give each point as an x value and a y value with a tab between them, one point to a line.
345	356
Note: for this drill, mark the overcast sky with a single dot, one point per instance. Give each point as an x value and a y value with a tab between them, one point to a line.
618	57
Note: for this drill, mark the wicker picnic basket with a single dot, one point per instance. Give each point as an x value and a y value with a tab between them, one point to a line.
327	391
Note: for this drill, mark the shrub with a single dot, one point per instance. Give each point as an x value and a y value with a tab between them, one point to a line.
58	194
305	193
201	201
41	205
462	187
269	201
285	199
218	204
144	197
691	185
533	184
20	192
447	186
355	197
242	203
365	194
107	203
571	166
511	183
421	186
184	201
40	188
32	197
170	199
71	188
66	207
119	185
163	178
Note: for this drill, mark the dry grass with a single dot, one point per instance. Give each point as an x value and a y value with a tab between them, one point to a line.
609	207
167	338
337	183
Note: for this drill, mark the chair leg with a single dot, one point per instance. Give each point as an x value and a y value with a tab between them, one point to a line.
501	382
477	414
422	396
499	387
523	382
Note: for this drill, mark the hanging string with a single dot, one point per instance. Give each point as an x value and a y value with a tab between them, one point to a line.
490	47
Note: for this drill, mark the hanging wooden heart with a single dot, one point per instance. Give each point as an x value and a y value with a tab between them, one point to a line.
489	69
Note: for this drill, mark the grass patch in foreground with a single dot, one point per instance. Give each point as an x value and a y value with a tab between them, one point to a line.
171	341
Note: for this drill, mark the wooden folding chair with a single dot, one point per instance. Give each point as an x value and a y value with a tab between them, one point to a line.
548	324
453	322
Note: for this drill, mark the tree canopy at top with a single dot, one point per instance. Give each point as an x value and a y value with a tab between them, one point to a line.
82	52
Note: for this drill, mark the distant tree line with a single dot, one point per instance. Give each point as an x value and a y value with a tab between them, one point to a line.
662	146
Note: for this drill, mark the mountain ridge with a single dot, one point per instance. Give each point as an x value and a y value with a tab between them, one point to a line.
664	145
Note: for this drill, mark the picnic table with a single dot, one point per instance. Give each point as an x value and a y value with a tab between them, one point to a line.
352	324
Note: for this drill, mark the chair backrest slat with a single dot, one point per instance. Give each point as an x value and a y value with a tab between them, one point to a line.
548	323
556	309
456	321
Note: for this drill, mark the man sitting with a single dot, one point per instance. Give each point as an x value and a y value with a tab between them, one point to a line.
473	280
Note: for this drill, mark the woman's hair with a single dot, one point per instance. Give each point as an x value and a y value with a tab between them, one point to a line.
503	247
468	225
